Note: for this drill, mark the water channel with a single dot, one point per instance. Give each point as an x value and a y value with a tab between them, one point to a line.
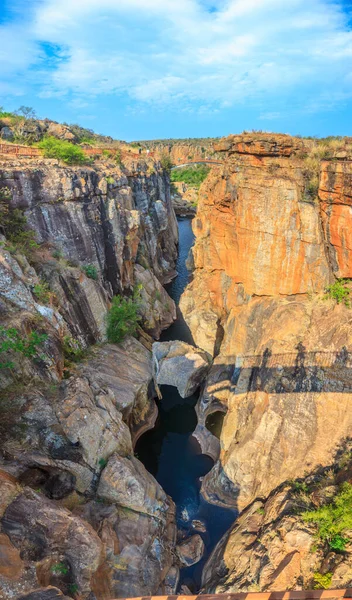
170	452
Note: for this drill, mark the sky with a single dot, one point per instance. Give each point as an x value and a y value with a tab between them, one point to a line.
148	69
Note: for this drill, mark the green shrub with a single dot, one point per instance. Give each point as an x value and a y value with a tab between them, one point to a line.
42	293
73	589
191	175
58	253
59	568
72	349
11	341
339	292
166	162
334	519
14	225
122	319
63	150
322	581
91	271
118	158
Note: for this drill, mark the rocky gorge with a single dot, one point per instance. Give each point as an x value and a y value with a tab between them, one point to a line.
255	343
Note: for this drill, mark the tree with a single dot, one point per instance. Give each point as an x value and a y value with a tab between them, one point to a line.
27	112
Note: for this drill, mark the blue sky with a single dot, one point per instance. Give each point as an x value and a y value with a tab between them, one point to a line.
143	69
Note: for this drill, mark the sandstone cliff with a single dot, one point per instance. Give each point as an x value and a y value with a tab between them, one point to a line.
272	233
272	546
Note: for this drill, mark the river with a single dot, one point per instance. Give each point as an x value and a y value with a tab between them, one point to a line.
170	452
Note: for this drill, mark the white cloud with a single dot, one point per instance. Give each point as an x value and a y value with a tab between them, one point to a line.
178	52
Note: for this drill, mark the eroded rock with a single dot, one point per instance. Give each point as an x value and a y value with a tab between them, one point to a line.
181	365
190	551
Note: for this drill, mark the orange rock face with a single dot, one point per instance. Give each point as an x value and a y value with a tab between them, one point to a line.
257	233
270	237
335	193
262	145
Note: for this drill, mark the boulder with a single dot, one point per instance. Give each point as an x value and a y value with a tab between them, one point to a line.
181	365
157	309
7	134
190	551
126	482
61	132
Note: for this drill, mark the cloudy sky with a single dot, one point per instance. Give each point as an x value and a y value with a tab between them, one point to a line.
142	69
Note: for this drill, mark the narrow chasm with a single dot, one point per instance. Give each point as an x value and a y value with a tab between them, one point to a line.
172	454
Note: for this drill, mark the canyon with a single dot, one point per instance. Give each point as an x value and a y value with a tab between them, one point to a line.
248	335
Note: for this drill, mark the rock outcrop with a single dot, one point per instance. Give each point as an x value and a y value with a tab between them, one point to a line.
184	199
99	231
181	365
272	547
271	236
79	514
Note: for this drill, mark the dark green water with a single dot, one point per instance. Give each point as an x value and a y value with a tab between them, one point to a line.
170	452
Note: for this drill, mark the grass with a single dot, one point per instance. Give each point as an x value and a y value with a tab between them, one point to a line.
122	319
334	519
191	175
339	292
63	150
322	581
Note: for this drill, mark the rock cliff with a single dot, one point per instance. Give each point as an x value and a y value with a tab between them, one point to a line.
272	234
79	512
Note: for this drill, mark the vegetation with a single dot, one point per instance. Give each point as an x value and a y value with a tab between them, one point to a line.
322	581
339	292
122	319
206	142
63	150
191	175
27	112
73	351
13	224
91	271
59	568
73	589
166	162
334	519
42	293
11	341
4	113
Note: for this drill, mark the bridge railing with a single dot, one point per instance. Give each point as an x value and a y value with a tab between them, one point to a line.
289	595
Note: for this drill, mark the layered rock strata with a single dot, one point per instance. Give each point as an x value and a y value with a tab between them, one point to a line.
269	242
80	515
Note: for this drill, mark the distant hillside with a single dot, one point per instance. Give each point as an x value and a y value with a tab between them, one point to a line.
24	127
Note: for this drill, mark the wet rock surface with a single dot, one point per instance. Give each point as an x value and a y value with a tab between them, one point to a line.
190	551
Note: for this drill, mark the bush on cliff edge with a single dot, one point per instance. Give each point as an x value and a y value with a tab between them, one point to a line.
122	319
63	150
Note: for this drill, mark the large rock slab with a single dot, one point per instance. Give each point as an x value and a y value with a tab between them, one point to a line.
181	365
125	481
